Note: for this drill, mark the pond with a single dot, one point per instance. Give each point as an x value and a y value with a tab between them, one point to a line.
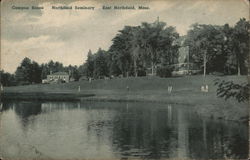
104	130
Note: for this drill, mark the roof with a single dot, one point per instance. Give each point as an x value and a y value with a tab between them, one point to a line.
60	73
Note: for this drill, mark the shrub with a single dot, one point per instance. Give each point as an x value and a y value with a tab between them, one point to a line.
164	71
142	73
229	89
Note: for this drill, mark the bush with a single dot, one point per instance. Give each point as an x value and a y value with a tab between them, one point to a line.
164	71
22	83
141	73
228	89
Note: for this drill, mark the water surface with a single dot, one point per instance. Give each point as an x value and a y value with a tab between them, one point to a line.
31	129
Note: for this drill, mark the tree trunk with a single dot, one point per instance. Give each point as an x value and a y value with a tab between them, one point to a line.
238	67
152	68
205	63
135	68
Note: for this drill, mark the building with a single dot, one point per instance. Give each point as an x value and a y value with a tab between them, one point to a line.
57	77
184	65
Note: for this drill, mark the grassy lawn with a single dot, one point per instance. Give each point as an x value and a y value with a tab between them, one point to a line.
186	90
187	83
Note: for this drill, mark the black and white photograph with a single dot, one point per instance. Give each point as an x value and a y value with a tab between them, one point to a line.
124	79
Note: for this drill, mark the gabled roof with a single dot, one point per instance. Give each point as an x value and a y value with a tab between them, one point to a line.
60	73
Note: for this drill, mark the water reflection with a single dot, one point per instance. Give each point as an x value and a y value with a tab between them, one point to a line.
116	130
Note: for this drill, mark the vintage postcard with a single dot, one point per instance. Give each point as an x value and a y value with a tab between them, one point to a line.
124	79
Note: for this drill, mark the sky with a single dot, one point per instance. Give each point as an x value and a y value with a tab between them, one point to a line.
67	35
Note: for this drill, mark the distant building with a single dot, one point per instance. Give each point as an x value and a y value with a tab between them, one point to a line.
185	69
57	77
184	66
183	53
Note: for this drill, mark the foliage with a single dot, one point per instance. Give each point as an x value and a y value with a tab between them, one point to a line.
90	64
7	79
52	67
28	72
97	64
228	89
240	46
100	64
124	52
220	48
164	71
73	72
134	49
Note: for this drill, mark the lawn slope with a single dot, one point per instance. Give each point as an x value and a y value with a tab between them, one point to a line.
186	91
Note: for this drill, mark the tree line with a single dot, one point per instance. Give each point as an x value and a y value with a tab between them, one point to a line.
152	48
30	72
135	49
222	49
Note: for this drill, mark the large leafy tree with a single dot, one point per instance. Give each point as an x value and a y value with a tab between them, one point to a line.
220	48
97	64
36	71
28	72
157	41
23	71
7	79
240	44
90	64
121	59
100	64
136	48
227	58
207	47
73	72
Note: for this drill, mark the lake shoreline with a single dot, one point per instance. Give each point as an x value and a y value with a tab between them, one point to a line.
206	104
185	91
62	96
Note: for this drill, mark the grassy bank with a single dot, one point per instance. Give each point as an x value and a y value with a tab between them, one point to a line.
186	91
192	83
43	96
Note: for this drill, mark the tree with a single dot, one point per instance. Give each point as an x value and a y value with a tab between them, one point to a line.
36	73
121	59
45	71
55	66
206	44
73	72
220	48
28	72
241	44
82	70
135	48
134	42
100	64
7	79
227	59
157	41
90	64
23	72
167	46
